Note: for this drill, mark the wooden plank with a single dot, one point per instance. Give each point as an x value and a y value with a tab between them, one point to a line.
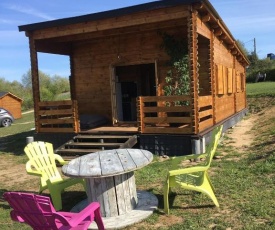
102	137
77	151
205	101
126	160
225	83
168	130
139	18
220	84
97	193
205	113
73	169
205	124
110	163
56	112
167	109
126	191
56	130
160	120
166	98
203	29
120	194
89	165
55	103
230	80
132	189
110	207
57	121
138	157
129	143
34	78
147	154
92	144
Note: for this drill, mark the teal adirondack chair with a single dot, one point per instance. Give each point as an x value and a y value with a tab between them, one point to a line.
193	178
42	163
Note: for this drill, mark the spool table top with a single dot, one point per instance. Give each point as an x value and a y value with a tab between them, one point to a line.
107	163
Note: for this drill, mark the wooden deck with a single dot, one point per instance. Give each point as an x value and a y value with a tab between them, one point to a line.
111	130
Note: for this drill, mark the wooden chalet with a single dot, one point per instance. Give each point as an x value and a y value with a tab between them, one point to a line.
118	70
12	103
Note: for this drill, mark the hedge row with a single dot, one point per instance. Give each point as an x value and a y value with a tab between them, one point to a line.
270	75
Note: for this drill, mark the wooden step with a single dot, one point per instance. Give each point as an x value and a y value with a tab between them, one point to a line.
89	143
87	136
76	151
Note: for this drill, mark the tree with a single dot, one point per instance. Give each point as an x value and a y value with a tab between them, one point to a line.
50	87
242	47
257	65
177	78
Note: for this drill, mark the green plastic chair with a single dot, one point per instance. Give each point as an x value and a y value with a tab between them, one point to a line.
42	163
193	178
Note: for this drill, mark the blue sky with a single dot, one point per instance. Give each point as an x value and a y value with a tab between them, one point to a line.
246	19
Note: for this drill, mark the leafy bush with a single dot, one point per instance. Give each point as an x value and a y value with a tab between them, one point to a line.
177	78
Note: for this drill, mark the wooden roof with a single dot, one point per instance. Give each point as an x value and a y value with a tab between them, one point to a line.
3	94
107	14
204	8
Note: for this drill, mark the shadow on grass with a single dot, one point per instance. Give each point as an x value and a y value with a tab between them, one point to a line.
172	197
2	200
265	155
16	143
263	150
264	144
72	198
69	198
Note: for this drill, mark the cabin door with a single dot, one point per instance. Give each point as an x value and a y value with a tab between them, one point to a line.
133	81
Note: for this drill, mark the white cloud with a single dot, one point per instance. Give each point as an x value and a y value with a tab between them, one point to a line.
29	11
9	22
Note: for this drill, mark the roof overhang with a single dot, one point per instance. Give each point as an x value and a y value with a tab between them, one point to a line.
203	7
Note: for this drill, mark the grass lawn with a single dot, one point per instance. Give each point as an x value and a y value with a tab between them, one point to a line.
244	179
261	89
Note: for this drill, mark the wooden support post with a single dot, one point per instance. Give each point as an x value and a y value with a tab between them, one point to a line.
213	77
193	67
141	112
35	80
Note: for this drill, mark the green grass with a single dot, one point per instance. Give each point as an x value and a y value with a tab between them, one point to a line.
13	138
244	186
260	89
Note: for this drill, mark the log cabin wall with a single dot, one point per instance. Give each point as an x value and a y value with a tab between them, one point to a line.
230	89
92	60
12	104
240	95
223	99
220	72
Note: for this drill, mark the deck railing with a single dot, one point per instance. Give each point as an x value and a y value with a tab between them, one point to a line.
206	114
57	117
165	114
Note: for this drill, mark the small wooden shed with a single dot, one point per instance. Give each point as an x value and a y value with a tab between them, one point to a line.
12	103
119	69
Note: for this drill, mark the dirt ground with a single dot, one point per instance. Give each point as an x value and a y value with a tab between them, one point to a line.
243	134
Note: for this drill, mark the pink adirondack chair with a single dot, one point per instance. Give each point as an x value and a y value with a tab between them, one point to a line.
38	212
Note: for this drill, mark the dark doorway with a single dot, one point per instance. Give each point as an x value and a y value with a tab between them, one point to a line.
133	81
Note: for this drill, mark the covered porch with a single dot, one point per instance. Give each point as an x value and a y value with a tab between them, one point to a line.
155	114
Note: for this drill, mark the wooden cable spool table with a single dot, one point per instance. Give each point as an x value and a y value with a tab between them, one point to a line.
110	179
